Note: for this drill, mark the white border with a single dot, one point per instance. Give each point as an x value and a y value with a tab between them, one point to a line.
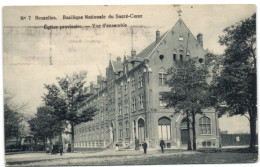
104	2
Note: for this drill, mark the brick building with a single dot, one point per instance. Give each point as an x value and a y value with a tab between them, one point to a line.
130	100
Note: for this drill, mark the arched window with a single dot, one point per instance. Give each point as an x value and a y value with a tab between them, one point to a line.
162	76
164	128
205	125
174	55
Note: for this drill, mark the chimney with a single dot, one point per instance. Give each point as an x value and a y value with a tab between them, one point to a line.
133	53
200	39
118	58
157	36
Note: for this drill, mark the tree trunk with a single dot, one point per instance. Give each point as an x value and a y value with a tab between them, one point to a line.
72	137
194	131
188	128
252	130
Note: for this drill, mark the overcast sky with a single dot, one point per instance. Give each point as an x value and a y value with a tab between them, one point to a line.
26	51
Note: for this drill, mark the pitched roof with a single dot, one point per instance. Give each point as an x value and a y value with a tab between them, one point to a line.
136	58
117	65
151	48
144	53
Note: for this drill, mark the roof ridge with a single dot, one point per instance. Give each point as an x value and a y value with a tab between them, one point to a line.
168	33
191	34
165	36
158	43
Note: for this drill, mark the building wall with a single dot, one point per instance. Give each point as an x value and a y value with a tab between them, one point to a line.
111	101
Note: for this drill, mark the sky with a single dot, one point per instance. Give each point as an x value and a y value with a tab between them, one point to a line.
26	51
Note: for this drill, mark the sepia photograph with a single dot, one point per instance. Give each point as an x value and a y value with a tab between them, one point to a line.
109	85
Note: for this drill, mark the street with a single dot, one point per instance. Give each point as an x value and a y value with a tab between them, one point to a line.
131	157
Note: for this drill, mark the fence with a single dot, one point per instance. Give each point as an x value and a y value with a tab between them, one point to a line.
236	139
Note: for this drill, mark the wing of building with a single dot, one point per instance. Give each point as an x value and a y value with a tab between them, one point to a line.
129	101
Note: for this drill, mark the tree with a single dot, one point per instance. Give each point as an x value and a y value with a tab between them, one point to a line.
12	120
66	98
53	99
188	84
235	84
43	125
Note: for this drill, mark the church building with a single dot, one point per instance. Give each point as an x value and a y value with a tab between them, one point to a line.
130	102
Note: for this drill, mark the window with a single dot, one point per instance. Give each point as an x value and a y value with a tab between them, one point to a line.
162	78
164	128
119	91
126	106
120	109
162	100
120	130
134	104
125	88
93	134
102	133
205	125
141	101
206	144
102	115
181	38
187	57
161	57
181	58
133	84
126	129
140	81
174	57
97	137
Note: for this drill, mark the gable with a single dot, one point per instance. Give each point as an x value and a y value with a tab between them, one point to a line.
180	41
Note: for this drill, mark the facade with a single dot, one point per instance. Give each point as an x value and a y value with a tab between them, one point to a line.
130	103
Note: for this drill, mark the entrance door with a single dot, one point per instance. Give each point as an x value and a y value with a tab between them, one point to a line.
184	136
184	132
141	132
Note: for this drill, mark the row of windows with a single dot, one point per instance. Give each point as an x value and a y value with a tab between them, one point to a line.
204	125
133	84
95	102
181	57
164	129
141	105
141	102
126	129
